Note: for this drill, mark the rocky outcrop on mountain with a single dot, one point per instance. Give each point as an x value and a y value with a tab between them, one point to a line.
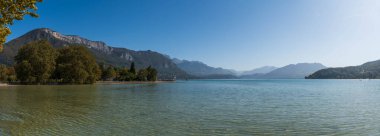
73	39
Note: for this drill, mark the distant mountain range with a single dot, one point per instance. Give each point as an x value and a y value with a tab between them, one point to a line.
201	70
102	52
292	71
299	70
261	70
370	70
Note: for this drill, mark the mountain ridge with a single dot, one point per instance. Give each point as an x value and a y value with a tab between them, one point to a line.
368	70
103	53
260	70
202	70
291	71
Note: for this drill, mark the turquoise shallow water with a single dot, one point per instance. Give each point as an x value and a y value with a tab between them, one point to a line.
204	107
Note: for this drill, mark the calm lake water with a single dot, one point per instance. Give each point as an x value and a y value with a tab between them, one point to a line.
206	107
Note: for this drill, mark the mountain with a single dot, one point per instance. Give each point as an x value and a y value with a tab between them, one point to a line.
202	70
369	70
292	71
102	52
261	70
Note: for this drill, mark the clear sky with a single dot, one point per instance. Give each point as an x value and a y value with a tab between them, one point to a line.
235	34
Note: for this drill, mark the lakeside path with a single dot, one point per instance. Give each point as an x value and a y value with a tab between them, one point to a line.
3	84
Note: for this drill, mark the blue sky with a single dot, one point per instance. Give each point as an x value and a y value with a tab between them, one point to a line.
235	34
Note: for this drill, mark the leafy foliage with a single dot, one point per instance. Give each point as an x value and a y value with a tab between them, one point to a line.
125	74
109	73
39	63
75	64
11	10
152	74
7	74
132	69
35	62
142	75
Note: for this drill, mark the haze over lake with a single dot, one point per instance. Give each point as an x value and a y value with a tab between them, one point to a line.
200	107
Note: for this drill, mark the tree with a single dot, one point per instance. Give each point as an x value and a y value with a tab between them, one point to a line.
11	74
35	62
75	64
132	69
152	74
109	73
142	75
24	71
125	75
7	74
11	10
3	73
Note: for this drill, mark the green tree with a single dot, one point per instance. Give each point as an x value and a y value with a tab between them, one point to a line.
152	74
109	73
75	64
132	69
102	66
3	73
35	62
24	71
11	10
126	75
142	75
7	74
11	74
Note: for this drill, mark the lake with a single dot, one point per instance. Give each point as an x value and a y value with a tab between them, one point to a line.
200	107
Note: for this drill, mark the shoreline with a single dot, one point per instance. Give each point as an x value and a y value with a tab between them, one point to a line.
4	84
99	83
130	82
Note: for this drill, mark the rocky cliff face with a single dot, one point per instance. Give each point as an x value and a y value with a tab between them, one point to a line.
72	39
102	52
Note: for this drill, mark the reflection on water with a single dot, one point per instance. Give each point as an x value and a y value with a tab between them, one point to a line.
209	107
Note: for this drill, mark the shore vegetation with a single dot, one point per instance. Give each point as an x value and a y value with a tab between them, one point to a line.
39	63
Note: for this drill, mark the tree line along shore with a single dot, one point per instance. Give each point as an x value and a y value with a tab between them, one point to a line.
39	63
